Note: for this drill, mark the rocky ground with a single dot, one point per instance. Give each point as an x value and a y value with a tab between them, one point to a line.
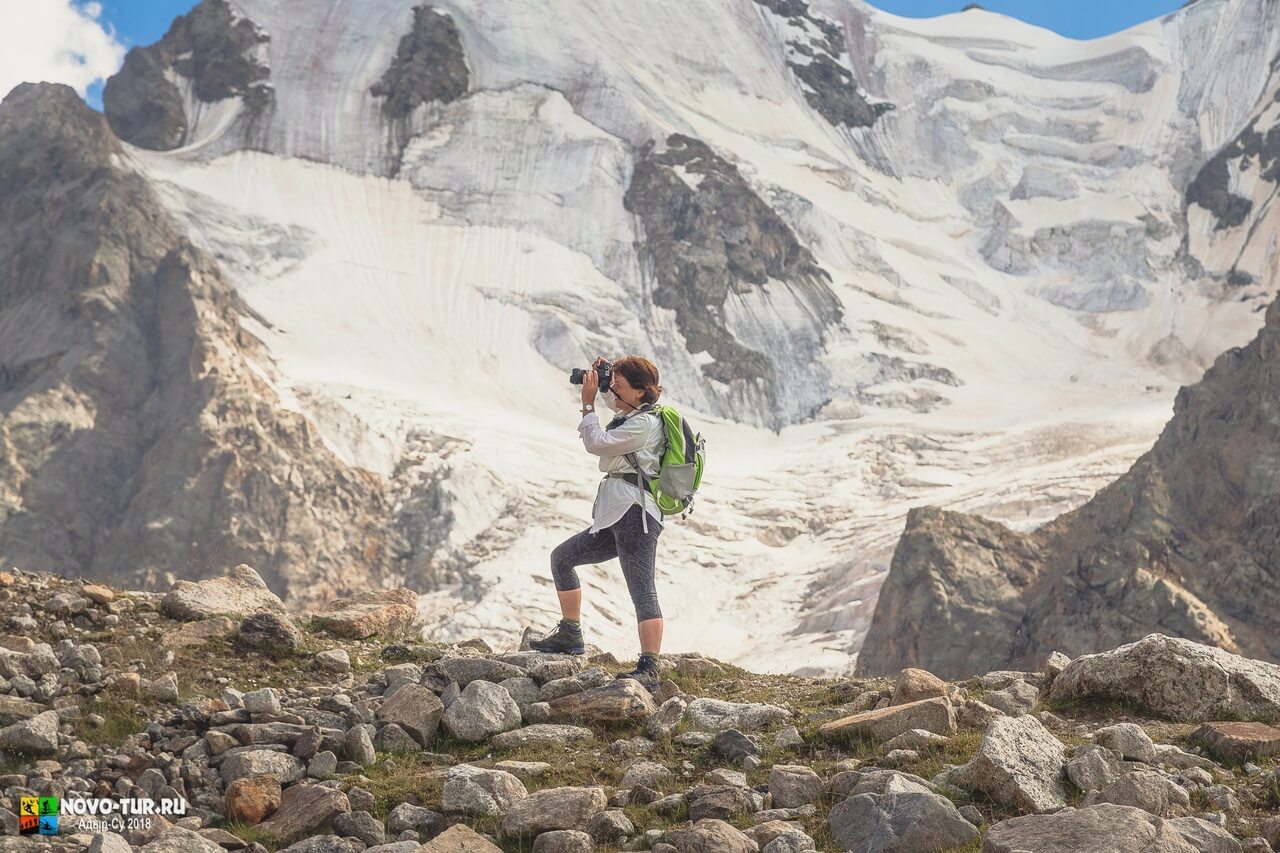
336	733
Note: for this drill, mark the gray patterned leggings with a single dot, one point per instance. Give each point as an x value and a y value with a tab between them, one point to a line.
626	540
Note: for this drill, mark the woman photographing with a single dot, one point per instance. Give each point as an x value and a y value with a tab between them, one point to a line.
625	519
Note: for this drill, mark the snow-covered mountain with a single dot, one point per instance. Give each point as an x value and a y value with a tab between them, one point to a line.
881	262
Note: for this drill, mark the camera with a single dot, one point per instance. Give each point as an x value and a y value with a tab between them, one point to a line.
604	370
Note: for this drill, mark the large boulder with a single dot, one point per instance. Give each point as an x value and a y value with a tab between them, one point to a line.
1175	678
240	593
415	709
623	700
388	612
1096	829
483	709
479	791
554	808
1147	790
37	735
932	715
711	835
899	823
303	809
1019	764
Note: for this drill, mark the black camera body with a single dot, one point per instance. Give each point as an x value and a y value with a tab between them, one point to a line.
605	372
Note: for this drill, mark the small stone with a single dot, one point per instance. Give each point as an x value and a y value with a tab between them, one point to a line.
389	613
564	841
334	660
794	785
1128	740
164	688
252	799
1236	743
270	632
733	746
264	701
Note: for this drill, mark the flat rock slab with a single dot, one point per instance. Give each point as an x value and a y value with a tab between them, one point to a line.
554	808
303	809
389	612
1237	743
200	632
1097	829
713	715
239	594
541	734
620	701
14	710
931	715
1174	678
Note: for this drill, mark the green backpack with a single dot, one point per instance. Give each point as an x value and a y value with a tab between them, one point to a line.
679	465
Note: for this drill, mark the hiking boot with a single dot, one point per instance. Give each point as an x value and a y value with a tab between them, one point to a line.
564	640
646	672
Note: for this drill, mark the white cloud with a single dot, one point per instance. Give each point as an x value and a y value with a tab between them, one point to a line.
55	40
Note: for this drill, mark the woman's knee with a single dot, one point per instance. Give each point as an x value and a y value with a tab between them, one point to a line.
562	569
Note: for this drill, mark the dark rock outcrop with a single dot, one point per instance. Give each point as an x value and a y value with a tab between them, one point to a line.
707	235
429	66
1187	543
213	47
135	438
830	87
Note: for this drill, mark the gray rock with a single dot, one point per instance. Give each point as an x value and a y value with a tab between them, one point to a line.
240	593
483	709
662	725
722	802
1175	678
362	825
1204	836
1019	764
1093	768
1015	700
392	738
36	735
732	745
523	690
465	670
712	715
791	841
325	844
416	710
554	808
323	765
541	734
358	745
478	791
264	701
794	785
1096	829
284	767
898	823
1128	740
711	835
610	826
914	739
269	632
334	660
645	773
178	840
407	816
1146	790
564	841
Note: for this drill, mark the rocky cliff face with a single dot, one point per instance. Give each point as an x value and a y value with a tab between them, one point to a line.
1186	543
135	439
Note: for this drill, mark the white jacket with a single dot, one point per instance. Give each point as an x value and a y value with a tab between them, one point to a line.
643	434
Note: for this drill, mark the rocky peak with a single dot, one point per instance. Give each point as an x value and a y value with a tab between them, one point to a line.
215	53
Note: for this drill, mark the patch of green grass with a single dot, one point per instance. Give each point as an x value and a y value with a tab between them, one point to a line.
974	846
402	779
122	717
251	834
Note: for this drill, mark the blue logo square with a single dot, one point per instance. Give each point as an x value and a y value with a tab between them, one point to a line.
49	824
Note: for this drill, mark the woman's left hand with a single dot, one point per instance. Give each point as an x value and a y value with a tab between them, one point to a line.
590	384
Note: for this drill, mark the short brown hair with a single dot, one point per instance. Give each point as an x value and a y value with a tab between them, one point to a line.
641	374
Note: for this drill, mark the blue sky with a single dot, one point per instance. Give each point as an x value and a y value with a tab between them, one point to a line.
141	22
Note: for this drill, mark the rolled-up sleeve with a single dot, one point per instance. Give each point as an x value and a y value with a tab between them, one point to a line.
626	438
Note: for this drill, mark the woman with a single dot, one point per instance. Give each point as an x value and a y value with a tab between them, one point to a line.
625	520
